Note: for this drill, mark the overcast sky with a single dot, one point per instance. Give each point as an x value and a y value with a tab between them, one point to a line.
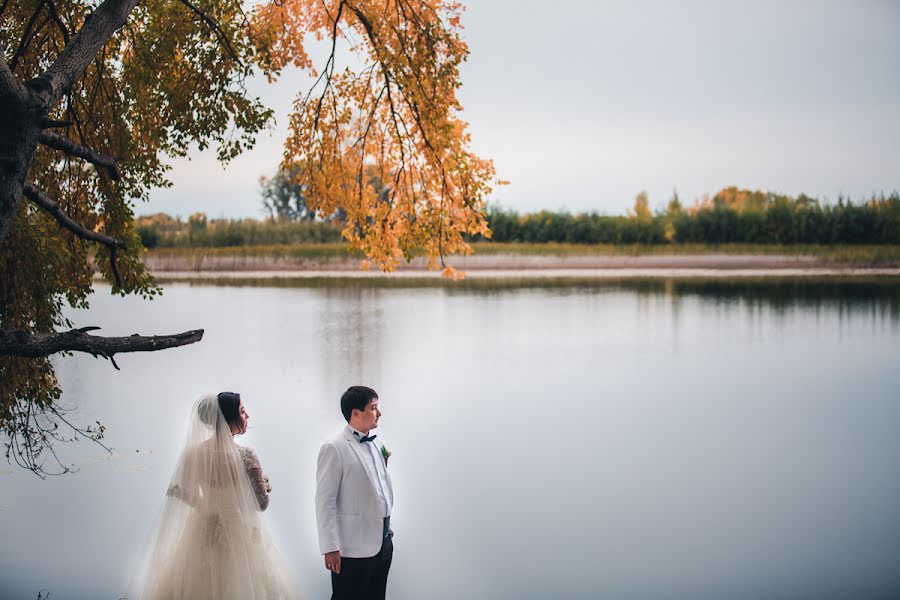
582	105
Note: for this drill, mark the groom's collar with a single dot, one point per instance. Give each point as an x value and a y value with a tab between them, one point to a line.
354	432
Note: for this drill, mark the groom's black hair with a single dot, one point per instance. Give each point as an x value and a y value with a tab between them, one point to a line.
358	397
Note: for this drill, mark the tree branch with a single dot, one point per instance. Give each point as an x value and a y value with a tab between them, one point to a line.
26	37
42	200
47	123
328	71
64	144
98	28
370	32
59	22
9	85
34	345
223	39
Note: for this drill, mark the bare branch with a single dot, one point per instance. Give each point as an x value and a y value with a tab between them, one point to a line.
90	433
34	345
47	123
64	144
59	22
220	35
42	200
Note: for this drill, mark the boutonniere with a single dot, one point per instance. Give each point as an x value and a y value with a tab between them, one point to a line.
386	454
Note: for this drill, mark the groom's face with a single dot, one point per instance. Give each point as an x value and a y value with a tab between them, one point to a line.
368	418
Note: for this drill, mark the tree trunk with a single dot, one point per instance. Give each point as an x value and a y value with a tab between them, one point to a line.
19	131
24	108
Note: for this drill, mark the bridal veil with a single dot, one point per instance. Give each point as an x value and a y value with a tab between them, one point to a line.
210	541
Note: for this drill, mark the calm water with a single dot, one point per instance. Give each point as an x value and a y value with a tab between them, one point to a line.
623	440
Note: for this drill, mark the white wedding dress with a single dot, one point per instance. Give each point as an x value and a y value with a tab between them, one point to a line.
211	543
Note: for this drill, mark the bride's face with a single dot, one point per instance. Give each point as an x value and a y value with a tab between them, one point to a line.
242	413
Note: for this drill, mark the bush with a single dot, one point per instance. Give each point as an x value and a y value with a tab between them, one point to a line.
164	232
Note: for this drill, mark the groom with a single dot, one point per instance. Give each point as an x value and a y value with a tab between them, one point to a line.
353	502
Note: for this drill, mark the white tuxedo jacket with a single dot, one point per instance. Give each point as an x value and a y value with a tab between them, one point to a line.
349	512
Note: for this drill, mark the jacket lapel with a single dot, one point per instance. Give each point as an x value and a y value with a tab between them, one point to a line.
387	475
358	450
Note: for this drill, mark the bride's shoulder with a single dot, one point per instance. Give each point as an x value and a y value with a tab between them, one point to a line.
247	454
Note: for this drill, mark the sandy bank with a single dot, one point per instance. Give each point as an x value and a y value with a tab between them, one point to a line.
174	268
532	274
502	262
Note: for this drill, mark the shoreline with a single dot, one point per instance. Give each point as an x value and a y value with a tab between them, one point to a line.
506	266
523	274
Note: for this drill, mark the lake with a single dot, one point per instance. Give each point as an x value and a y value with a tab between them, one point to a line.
623	439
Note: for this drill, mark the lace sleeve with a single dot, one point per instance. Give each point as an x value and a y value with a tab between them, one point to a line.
178	492
179	488
258	480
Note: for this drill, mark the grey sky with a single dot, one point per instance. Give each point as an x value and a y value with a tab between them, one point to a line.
584	104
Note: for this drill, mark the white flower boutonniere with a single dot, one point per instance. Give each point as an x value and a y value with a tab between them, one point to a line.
386	454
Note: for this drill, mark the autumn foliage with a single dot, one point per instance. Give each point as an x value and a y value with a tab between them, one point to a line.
385	145
382	146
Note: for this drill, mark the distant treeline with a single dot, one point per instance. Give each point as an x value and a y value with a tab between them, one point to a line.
163	231
731	216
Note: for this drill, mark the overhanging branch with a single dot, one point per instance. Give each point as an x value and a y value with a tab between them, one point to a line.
99	26
27	36
53	208
42	200
34	345
54	14
220	35
64	144
48	123
9	85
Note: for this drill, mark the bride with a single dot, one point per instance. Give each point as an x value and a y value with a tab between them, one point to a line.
211	542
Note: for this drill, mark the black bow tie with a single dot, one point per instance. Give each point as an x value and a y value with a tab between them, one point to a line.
365	438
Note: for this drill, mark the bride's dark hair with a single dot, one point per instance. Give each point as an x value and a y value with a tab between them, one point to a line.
230	405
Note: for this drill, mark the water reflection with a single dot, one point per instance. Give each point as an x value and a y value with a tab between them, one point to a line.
810	287
878	295
627	439
350	326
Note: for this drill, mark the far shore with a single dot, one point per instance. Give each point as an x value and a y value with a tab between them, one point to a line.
529	262
522	274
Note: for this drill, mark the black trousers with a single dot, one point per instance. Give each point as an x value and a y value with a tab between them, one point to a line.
364	578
